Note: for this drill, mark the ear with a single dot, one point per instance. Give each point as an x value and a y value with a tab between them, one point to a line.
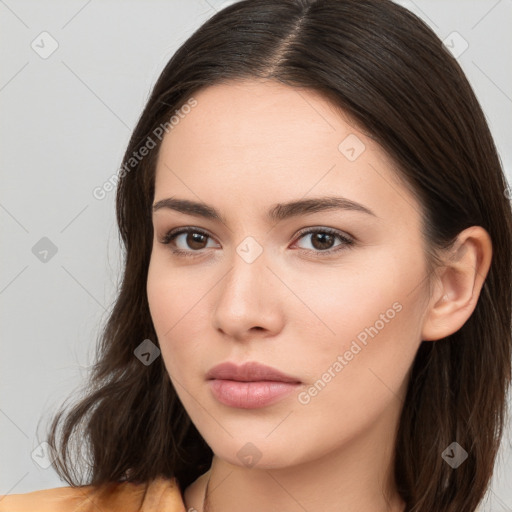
458	283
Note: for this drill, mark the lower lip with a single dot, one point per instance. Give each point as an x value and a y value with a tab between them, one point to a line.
250	395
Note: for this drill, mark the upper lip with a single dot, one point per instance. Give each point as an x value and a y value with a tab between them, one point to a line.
248	372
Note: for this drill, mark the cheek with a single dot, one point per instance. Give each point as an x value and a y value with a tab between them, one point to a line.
174	293
366	375
181	300
175	308
371	324
370	313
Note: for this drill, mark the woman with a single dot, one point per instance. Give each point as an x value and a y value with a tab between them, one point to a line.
315	311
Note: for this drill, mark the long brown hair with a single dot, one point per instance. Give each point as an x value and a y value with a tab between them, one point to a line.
385	68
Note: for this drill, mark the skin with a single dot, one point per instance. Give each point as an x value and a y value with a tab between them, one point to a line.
246	146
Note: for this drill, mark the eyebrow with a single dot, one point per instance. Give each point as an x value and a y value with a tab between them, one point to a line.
277	212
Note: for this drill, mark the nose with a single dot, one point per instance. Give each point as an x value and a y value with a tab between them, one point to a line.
249	300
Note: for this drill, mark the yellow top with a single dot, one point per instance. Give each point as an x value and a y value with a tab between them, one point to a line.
163	495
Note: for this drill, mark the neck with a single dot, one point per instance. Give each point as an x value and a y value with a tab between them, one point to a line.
357	476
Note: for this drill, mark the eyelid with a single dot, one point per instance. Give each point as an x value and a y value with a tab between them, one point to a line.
347	241
325	229
173	233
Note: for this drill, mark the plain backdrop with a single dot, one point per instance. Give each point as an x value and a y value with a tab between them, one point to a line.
74	77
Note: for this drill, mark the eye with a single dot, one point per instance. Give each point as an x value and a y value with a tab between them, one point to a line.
194	238
322	240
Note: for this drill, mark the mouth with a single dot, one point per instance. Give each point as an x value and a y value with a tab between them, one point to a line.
249	386
249	372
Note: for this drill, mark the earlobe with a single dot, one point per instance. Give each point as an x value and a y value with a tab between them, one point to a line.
459	282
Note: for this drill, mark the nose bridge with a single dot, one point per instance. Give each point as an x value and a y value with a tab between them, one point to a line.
246	299
249	269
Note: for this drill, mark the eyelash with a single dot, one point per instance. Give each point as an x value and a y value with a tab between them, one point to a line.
346	241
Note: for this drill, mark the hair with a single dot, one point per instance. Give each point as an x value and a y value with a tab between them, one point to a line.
385	68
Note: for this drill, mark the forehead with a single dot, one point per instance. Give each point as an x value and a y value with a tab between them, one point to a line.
251	114
271	142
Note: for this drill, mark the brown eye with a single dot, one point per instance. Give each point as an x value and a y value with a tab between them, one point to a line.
195	240
192	241
186	240
323	240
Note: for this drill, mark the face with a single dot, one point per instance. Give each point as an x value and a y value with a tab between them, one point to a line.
332	295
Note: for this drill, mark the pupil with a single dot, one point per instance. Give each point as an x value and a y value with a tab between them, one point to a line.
324	239
195	241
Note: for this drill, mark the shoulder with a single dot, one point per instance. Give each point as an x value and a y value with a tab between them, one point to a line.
59	499
159	494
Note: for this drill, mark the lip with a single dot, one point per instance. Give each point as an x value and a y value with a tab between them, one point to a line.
249	386
249	372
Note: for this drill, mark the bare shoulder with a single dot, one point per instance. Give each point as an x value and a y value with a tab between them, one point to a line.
114	497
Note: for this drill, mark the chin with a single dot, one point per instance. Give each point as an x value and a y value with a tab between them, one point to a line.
257	454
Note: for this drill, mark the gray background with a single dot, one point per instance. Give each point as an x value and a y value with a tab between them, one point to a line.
66	120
